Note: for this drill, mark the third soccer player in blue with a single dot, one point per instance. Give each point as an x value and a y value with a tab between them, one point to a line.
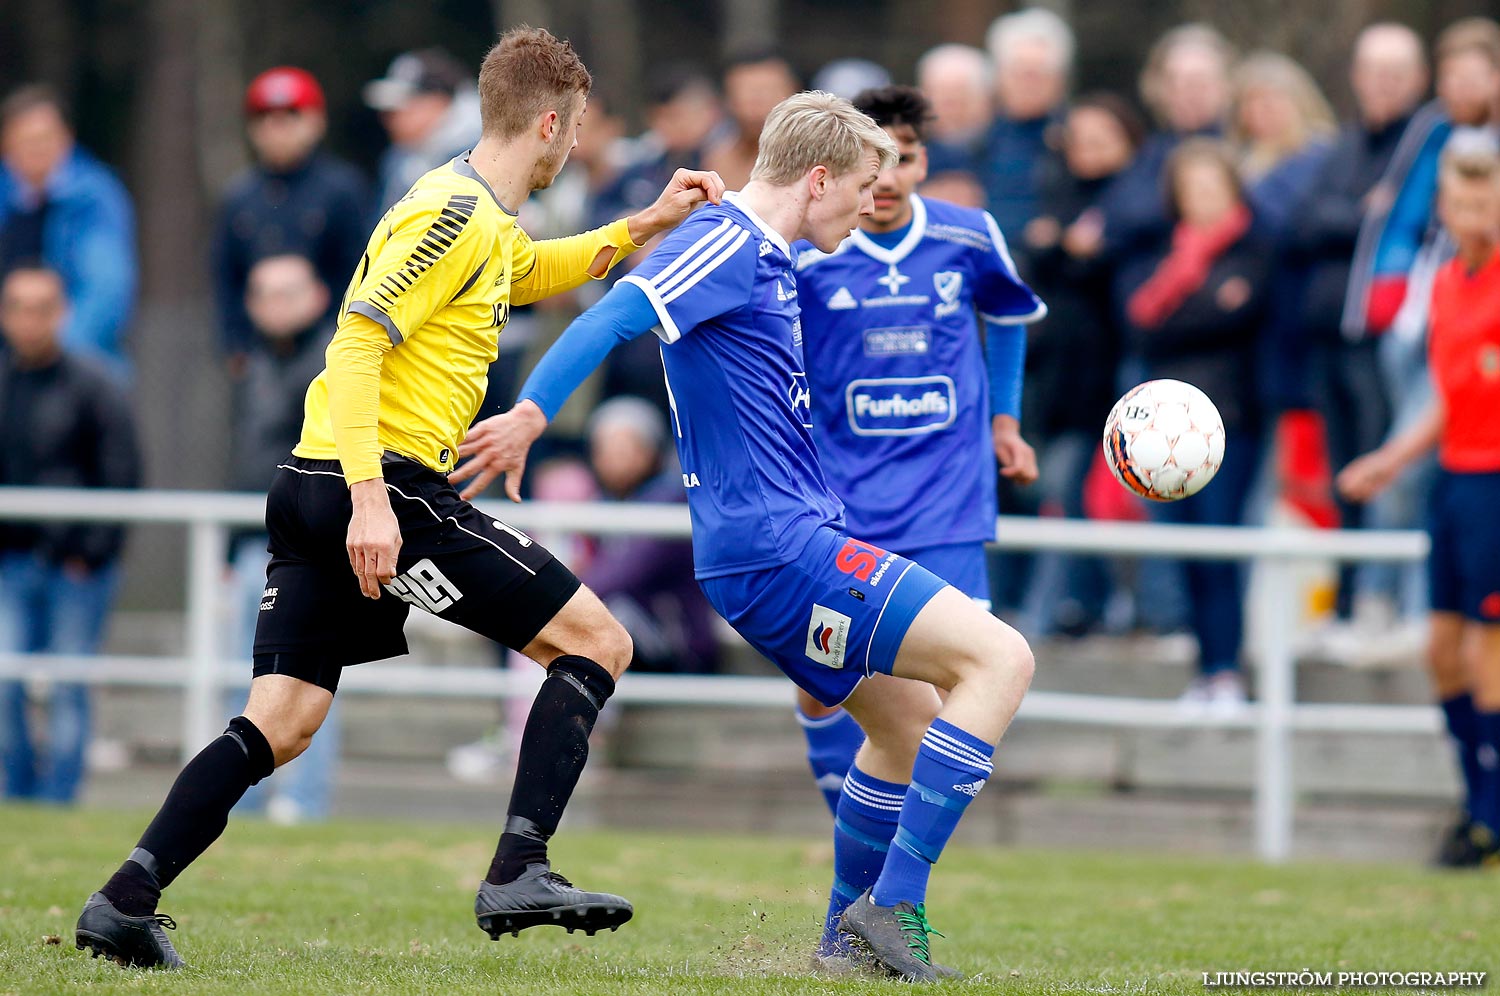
908	421
848	622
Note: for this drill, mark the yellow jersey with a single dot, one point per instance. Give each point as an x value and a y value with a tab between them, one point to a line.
438	279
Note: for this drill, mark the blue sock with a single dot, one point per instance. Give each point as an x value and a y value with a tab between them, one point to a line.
1463	728
831	745
1485	807
863	825
952	766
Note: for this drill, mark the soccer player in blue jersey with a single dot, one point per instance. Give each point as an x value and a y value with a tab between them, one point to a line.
908	421
847	621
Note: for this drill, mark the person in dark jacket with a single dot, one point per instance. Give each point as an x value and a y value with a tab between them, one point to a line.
1185	83
297	199
64	422
1196	318
287	303
1389	78
1071	354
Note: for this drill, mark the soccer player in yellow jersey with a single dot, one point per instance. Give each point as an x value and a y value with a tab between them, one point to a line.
364	523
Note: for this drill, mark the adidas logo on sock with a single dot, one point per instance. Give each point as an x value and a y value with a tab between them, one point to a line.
971	789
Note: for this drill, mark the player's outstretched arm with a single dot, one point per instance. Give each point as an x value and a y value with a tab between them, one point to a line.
686	190
499	444
553	266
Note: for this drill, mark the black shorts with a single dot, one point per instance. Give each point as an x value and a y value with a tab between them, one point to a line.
455	562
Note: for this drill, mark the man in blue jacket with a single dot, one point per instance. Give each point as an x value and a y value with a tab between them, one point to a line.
62	206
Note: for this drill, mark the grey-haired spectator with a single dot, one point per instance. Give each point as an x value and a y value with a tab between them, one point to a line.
60	205
1032	51
958	80
429	105
1389	77
848	78
296	199
64	423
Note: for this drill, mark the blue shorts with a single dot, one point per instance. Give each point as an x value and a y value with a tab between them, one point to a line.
1463	570
963	565
834	616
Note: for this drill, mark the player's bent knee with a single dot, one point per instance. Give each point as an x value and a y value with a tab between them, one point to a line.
999	659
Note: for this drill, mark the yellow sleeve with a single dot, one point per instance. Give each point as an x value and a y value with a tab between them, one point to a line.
354	357
541	269
432	254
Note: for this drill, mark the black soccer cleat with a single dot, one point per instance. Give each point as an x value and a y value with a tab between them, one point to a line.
1458	849
540	897
132	941
893	939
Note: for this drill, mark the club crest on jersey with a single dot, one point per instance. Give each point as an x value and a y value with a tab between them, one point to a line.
827	636
949	284
842	300
800	395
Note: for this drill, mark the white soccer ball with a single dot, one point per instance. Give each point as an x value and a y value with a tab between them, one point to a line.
1164	440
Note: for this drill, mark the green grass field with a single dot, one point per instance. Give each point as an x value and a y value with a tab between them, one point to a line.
373	908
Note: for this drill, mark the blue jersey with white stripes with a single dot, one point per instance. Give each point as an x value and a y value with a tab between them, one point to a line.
725	298
900	400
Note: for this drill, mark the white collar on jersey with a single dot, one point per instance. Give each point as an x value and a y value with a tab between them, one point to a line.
733	197
903	248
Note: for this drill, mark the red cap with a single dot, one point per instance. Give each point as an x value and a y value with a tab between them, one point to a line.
285	88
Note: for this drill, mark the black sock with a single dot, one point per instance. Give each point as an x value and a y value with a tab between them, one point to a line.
192	817
554	749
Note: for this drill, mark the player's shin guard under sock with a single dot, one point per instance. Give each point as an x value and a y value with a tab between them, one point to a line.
1463	727
1485	807
952	766
554	748
193	816
863	825
832	742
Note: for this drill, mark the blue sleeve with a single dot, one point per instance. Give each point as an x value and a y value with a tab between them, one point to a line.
704	269
999	294
621	315
103	266
1005	356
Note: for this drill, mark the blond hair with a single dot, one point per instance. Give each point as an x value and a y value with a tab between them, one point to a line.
814	128
1266	70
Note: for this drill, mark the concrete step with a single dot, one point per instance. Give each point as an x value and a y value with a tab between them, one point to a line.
785	803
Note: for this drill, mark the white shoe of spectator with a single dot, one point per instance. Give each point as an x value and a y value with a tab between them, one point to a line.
283	812
1226	693
1195	698
484	761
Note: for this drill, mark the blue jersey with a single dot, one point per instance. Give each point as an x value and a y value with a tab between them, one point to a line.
725	296
900	400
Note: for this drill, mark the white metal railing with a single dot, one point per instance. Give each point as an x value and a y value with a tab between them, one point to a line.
1275	716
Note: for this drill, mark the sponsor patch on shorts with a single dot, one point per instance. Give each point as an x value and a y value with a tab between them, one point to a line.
827	636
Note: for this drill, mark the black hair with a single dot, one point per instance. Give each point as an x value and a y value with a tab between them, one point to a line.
755	56
674	80
1126	116
897	107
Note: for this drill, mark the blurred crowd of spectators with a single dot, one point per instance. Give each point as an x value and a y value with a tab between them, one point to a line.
1219	226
